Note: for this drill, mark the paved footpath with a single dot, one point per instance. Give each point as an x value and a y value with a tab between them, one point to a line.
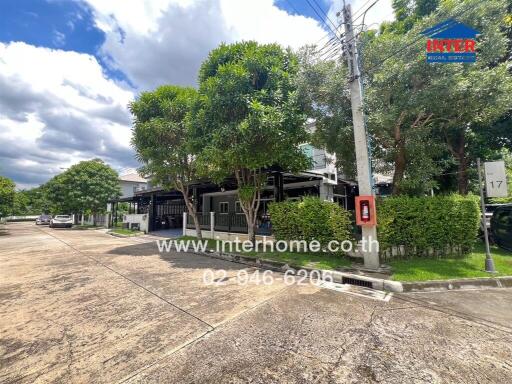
82	306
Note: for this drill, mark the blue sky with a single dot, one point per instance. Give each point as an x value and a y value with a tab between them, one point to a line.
69	25
68	69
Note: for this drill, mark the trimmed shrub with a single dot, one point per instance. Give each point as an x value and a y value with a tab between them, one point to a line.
310	219
437	226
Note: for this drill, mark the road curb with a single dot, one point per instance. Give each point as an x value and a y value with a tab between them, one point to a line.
343	277
335	276
447	285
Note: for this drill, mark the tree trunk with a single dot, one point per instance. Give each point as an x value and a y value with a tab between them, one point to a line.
400	162
250	204
190	208
400	159
462	170
251	227
199	233
192	211
462	175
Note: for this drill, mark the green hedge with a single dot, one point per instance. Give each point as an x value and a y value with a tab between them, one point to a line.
427	226
310	219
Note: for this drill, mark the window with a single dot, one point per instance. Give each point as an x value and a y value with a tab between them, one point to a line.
223	207
238	207
307	149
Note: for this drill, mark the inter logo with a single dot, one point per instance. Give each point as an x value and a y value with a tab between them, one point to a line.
451	42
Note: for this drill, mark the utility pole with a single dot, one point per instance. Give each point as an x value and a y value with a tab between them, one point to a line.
364	175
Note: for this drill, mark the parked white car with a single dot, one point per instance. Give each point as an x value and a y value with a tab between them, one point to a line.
61	221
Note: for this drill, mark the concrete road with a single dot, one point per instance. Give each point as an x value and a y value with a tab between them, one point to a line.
82	306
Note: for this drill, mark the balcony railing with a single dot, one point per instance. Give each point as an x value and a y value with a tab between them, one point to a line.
229	222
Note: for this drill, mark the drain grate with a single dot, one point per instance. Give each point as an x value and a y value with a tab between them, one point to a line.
360	283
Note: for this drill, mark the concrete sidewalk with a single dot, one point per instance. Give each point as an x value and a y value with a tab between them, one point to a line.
82	306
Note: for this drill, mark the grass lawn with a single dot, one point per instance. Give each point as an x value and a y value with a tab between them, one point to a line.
300	259
125	231
420	269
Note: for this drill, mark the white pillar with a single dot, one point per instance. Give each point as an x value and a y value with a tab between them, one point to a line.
212	224
184	223
82	219
326	192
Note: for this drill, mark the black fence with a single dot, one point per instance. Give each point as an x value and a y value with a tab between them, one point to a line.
229	222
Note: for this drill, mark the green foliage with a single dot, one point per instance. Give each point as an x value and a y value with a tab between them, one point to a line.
85	187
437	226
7	195
161	135
430	113
322	87
164	140
31	202
408	12
249	115
310	219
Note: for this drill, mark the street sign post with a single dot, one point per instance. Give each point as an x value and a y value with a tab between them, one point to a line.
489	262
495	179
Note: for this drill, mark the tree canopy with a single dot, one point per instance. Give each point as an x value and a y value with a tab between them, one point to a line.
164	141
7	195
427	122
249	117
85	187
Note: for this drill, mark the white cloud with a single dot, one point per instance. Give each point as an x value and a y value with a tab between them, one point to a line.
57	108
165	41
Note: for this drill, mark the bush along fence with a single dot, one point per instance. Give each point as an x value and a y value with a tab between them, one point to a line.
310	219
440	226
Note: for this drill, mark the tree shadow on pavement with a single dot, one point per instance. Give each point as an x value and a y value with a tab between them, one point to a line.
185	260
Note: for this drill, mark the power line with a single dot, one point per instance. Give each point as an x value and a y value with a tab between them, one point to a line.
321	18
326	15
364	13
333	49
360	8
408	45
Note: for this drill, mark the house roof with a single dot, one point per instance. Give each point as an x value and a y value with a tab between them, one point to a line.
134	177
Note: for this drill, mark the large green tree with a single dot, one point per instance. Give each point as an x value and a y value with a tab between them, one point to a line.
163	140
85	187
31	201
450	103
7	195
249	118
323	89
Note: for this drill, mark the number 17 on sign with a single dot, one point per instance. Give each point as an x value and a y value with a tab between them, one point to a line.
495	179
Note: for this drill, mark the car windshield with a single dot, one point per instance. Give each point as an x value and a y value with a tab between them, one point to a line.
62	217
45	217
